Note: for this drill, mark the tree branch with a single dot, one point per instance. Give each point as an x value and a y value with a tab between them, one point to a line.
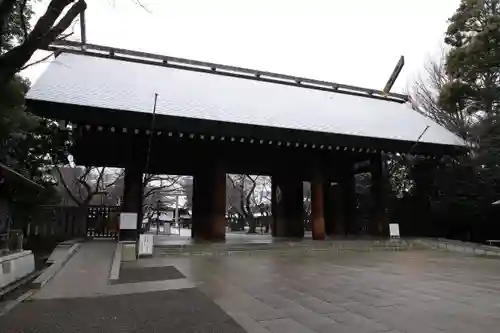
249	195
118	177
142	6
231	180
156	178
63	24
83	181
99	180
157	189
37	61
65	185
43	33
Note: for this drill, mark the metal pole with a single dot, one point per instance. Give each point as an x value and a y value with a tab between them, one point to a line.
158	217
177	213
83	31
151	135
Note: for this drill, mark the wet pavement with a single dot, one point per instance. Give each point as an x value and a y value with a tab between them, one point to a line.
378	291
276	290
183	311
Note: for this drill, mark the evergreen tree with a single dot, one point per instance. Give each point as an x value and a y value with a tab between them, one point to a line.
473	62
28	143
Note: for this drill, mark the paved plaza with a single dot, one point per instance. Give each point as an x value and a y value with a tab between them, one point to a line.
408	291
270	291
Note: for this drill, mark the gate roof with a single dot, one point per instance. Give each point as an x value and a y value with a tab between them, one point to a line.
119	85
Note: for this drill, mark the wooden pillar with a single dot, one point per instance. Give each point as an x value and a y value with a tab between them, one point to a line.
132	195
219	205
331	206
209	204
379	223
287	206
339	210
348	197
317	206
295	226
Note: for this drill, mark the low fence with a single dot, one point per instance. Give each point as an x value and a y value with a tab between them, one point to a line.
46	226
55	222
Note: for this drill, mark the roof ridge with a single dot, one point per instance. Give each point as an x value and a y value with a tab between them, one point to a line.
153	58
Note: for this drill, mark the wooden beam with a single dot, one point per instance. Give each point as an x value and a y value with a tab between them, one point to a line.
124	54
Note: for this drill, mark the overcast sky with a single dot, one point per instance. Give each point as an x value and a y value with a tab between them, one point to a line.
350	42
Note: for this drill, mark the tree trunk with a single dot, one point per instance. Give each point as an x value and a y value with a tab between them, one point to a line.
43	33
252	224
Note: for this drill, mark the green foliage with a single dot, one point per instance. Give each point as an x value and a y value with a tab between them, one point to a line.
473	62
28	143
15	123
452	197
13	31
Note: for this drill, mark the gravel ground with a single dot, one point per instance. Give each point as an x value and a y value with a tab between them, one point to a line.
144	274
179	311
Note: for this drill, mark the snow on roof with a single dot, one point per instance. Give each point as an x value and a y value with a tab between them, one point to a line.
130	86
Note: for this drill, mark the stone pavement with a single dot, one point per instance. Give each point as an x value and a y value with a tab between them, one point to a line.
81	299
379	291
271	291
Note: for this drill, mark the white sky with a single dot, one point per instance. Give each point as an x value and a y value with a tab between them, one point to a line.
350	42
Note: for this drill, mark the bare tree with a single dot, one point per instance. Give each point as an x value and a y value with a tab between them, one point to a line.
261	197
241	197
83	184
157	192
424	97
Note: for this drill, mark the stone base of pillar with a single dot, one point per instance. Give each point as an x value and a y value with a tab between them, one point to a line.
209	205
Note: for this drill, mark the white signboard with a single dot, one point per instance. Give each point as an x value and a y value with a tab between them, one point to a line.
128	221
146	245
394	230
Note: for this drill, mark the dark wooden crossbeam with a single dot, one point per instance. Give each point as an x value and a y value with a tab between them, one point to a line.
135	56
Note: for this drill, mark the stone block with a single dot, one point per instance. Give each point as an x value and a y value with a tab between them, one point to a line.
129	251
15	266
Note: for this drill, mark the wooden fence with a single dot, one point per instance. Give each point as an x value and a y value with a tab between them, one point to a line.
58	223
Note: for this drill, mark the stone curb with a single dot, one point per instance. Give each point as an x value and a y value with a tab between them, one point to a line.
114	273
53	269
460	247
283	250
24	280
10	305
